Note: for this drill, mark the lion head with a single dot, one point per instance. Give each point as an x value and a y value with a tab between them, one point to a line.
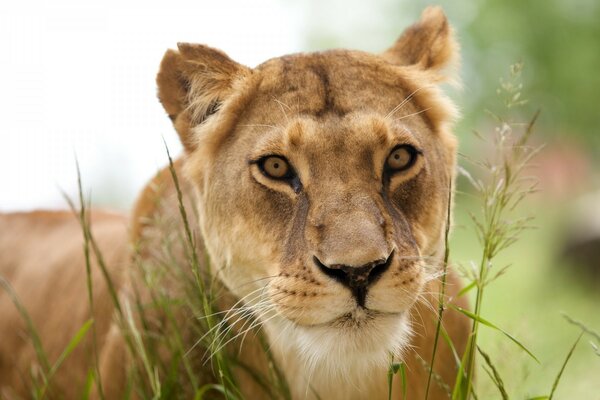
322	184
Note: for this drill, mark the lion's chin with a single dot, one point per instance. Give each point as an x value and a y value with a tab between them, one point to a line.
350	345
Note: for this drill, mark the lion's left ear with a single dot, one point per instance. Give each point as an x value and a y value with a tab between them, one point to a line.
192	83
428	44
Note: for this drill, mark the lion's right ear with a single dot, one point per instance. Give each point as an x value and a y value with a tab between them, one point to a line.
428	44
192	84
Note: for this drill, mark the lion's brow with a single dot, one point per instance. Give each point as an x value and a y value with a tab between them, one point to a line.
295	134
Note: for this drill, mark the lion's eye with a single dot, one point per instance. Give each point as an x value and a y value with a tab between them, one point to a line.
275	167
401	158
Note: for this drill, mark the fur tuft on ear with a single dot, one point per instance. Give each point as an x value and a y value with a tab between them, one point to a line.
192	83
429	45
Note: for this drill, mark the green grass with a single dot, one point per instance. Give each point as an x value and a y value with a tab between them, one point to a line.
497	186
528	301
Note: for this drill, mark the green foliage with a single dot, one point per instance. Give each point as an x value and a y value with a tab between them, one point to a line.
557	40
500	188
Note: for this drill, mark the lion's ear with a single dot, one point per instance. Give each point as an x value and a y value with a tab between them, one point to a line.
428	44
192	83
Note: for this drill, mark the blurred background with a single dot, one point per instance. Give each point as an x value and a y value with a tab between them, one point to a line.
77	82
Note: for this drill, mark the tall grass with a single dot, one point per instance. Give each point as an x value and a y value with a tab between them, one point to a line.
179	342
176	336
500	186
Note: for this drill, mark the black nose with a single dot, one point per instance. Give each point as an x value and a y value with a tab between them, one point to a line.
357	279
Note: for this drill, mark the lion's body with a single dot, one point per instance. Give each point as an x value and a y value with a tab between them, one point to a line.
41	255
291	247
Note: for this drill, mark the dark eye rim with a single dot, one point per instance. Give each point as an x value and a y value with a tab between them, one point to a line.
414	155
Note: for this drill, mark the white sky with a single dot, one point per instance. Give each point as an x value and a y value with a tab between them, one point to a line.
78	79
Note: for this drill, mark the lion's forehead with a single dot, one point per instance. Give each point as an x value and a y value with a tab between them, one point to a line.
346	148
335	82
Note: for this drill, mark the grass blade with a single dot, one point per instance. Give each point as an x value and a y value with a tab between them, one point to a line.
206	388
73	343
35	338
451	346
443	290
89	383
390	378
467	289
564	365
496	376
84	221
403	379
393	370
582	326
489	324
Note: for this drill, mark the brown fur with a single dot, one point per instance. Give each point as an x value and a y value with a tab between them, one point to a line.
335	116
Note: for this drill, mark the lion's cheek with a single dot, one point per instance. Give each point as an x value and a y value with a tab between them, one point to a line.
241	257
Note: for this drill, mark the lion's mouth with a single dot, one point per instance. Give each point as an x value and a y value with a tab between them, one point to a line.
358	318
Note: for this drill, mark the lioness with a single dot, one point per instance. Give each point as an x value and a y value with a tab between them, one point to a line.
321	184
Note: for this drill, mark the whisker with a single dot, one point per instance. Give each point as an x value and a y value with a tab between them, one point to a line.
247	313
243	332
281	105
412	114
235	306
229	314
222	334
406	100
261	126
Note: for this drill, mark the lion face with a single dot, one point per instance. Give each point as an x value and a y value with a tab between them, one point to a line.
323	182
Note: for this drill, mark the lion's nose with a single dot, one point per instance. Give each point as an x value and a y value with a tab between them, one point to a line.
357	279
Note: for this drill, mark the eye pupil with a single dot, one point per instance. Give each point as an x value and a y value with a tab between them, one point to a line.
275	167
401	158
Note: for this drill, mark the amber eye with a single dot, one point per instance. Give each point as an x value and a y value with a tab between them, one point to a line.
401	158
275	167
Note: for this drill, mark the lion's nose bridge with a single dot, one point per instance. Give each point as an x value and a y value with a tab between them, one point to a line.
352	234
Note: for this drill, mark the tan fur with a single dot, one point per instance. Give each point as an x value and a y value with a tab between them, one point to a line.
335	116
41	255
